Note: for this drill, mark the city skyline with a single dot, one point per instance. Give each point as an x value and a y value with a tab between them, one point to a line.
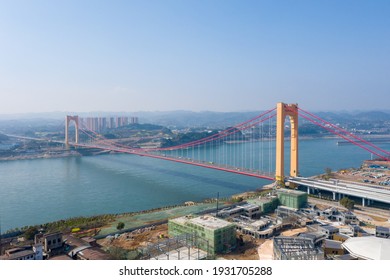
223	56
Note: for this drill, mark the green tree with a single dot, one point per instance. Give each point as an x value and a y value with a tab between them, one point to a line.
117	253
120	226
328	173
30	233
347	203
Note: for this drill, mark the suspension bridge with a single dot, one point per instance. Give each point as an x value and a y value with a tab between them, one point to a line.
250	148
238	149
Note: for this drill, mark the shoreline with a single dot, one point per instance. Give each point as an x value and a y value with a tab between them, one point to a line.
227	201
39	156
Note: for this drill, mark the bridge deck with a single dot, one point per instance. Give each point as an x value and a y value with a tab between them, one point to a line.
140	152
377	193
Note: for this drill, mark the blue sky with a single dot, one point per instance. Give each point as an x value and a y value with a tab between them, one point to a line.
198	55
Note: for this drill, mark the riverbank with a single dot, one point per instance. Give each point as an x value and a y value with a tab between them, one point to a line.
118	183
41	156
48	154
106	224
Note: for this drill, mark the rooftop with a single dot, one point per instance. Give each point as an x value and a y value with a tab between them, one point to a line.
231	210
77	250
346	257
342	235
94	254
291	192
286	208
249	206
210	222
347	214
52	234
260	223
368	247
330	228
383	229
88	239
61	258
262	199
312	235
205	221
74	241
333	244
20	254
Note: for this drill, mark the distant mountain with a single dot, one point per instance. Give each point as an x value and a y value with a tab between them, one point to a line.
358	116
373	116
186	119
195	119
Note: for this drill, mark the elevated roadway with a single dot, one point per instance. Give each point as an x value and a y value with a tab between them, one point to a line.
365	192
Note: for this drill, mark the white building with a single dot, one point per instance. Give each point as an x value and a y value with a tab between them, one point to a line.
368	247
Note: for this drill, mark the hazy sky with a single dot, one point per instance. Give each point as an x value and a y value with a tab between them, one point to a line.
193	55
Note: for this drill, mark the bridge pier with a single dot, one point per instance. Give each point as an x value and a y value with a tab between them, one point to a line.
282	111
308	190
68	119
334	196
367	202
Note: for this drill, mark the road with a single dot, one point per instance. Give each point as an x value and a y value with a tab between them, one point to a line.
377	193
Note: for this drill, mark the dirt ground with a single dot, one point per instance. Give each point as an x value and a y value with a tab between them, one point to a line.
365	174
266	250
249	251
292	232
138	238
134	240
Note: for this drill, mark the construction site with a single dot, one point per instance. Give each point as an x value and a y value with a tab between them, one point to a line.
279	225
371	172
296	248
274	224
181	247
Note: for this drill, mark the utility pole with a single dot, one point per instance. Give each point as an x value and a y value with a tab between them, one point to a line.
216	215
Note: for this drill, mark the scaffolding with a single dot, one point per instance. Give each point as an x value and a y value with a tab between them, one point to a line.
296	248
182	247
220	234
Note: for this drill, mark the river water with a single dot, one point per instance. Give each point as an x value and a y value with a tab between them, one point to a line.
43	190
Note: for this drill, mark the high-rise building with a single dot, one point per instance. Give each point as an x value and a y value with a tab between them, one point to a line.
99	124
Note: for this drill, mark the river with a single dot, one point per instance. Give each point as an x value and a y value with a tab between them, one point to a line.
44	190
